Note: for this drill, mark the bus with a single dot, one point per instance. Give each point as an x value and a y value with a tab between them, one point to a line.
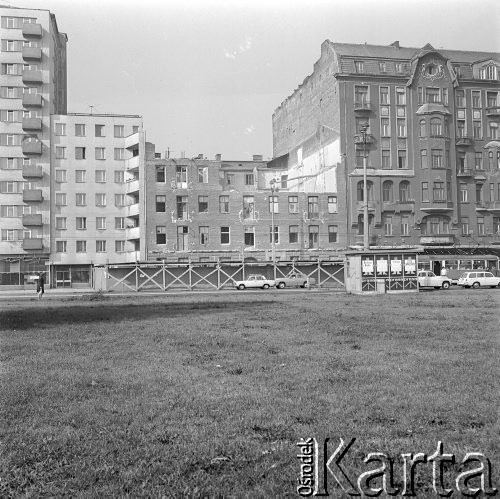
455	265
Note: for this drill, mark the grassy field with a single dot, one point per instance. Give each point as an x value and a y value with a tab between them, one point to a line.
206	396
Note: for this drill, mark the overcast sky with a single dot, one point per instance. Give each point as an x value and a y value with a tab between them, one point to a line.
207	75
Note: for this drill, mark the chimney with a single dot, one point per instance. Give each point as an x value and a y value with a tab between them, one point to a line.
167	153
218	157
257	157
395	44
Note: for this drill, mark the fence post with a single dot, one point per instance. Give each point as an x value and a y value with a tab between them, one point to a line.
163	274
218	274
319	273
136	277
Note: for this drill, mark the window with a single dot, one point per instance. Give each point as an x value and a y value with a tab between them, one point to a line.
161	204
387	194
120	200
492	192
480	226
224	204
399	67
81	246
100	246
100	223
476	99
60	152
202	204
312	207
360	96
460	98
61	246
119	246
81	223
386	159
100	176
422	128
423	159
385	127
60	128
248	208
402	164
119	223
273	204
229	178
61	223
119	131
61	199
400	96
404	191
493	129
477	130
432	95
182	238
119	154
463	193
387	220
249	235
276	234
203	174
119	177
100	153
401	127
135	128
81	199
181	177
359	66
461	128
332	204
332	233
496	225
369	190
80	130
491	99
80	176
79	152
465	226
425	192
284	181
479	193
249	179
224	235
313	236
489	72
438	192
60	176
384	96
436	127
99	130
204	231
160	174
181	203
161	234
293	234
437	158
405	225
100	199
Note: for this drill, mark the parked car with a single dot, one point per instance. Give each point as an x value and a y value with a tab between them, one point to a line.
295	280
427	279
255	281
476	279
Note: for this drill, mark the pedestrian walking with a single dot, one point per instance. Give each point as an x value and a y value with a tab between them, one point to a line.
40	286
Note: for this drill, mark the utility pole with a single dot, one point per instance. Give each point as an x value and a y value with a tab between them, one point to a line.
366	243
271	204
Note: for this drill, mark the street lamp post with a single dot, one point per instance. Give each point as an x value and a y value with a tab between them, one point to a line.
366	244
271	204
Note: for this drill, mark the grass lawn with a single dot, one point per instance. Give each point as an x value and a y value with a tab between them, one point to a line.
205	396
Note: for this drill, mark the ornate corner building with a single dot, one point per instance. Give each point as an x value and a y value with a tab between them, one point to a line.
431	147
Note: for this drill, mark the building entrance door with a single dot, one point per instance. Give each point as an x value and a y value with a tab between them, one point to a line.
63	279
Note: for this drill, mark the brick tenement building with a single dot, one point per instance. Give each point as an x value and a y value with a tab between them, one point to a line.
431	146
207	210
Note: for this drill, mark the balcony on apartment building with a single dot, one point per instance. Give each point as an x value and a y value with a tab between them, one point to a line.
32	243
32	220
32	196
133	233
437	206
362	106
493	111
465	172
32	53
360	205
132	163
133	210
32	147
463	141
488	206
32	171
32	30
132	141
32	76
32	100
32	124
437	240
133	186
359	140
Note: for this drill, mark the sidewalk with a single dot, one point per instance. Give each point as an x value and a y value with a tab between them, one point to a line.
31	293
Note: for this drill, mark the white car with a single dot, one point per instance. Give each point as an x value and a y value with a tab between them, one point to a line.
427	279
255	281
478	278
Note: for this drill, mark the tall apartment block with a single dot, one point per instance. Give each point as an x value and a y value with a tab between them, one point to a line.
432	146
95	206
32	87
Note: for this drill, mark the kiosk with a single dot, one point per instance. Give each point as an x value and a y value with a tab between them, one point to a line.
381	271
